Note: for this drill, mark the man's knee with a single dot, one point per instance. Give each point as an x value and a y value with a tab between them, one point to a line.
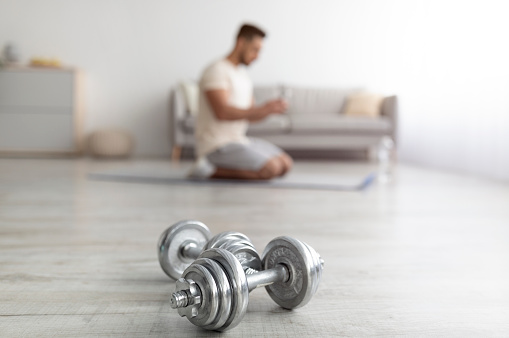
272	168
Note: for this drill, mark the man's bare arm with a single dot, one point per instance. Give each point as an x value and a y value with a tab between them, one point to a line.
218	100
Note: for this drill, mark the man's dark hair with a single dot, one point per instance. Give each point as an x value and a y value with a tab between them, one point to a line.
248	32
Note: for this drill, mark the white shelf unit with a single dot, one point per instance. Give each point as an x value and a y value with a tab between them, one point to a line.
40	111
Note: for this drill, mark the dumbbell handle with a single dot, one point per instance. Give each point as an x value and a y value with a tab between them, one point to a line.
255	279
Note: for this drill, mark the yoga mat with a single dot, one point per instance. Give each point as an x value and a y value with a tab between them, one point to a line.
174	176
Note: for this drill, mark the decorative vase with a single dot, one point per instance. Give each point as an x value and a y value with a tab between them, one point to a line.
11	53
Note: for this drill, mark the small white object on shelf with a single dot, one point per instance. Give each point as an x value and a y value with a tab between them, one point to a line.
11	53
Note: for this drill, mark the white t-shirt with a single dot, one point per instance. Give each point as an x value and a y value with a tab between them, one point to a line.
210	132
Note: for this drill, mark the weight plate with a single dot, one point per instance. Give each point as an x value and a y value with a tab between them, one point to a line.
206	310
224	293
238	282
240	246
246	255
172	241
318	264
304	271
226	236
215	309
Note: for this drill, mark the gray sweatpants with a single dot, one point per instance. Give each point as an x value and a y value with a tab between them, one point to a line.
251	156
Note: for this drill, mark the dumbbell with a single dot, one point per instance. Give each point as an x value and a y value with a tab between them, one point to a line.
182	243
213	292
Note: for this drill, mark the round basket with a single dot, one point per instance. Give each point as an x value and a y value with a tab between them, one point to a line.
111	143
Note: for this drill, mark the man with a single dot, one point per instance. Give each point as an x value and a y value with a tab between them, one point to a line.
226	108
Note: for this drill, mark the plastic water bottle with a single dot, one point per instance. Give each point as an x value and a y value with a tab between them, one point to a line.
385	157
285	93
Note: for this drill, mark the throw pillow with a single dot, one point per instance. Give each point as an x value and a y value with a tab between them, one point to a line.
364	104
191	95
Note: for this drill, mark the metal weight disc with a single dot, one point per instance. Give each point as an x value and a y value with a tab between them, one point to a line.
240	246
204	312
226	236
318	264
246	255
238	283
304	269
172	240
215	306
224	292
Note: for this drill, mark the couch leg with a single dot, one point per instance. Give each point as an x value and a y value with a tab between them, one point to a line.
394	155
367	155
371	154
175	154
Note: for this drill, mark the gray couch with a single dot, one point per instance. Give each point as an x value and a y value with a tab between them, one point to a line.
314	121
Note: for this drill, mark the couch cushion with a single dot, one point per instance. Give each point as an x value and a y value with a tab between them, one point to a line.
275	124
322	102
263	94
340	124
364	104
306	101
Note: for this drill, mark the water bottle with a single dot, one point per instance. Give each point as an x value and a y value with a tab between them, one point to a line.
285	93
385	156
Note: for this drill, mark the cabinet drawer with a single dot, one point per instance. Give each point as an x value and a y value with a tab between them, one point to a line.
52	132
36	88
21	110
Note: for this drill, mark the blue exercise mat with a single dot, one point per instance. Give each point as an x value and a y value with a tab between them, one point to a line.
291	181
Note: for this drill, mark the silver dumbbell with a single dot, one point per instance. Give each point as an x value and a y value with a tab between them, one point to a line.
182	243
213	292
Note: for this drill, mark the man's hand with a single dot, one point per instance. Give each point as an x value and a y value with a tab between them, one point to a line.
275	107
218	100
278	106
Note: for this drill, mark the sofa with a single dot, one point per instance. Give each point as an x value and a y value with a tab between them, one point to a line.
317	119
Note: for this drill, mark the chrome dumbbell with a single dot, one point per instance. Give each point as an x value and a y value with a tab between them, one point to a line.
182	243
213	292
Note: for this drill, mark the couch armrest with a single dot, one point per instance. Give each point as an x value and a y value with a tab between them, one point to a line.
390	110
178	113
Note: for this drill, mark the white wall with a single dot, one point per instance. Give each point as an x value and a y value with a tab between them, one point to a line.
447	60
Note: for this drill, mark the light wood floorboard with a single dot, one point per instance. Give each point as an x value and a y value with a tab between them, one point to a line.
427	255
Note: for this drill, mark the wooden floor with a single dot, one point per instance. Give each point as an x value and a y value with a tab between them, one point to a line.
427	255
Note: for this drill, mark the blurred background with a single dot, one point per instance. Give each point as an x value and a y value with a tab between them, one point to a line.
445	60
424	253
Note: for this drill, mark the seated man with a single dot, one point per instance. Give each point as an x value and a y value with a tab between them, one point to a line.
226	107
